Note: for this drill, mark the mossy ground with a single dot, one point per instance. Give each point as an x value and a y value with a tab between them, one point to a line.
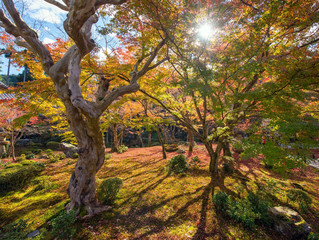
154	205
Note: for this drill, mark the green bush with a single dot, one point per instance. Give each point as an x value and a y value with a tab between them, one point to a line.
30	156
177	164
108	156
247	211
53	145
63	225
4	155
241	210
13	165
60	156
49	151
108	190
221	201
32	144
15	231
18	177
299	196
194	162
21	158
36	150
313	236
171	148
27	162
122	149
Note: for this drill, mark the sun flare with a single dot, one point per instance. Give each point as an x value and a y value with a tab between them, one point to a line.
205	30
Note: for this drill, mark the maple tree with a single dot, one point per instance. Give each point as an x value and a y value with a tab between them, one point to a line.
261	61
15	115
65	72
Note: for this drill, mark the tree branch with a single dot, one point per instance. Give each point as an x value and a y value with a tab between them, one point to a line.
29	35
8	25
57	4
111	2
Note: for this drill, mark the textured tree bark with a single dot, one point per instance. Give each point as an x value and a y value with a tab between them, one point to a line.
115	143
82	186
191	142
214	157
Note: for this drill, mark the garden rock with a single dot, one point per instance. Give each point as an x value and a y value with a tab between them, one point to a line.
180	151
68	149
33	234
289	223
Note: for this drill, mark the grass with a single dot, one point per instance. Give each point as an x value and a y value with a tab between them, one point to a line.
154	205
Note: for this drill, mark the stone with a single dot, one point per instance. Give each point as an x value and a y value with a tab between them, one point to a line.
68	149
180	151
289	223
33	234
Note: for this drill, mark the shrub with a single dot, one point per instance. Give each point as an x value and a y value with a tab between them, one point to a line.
15	230
221	201
21	158
30	156
18	177
227	168
49	151
4	155
27	162
247	211
171	148
299	196
108	190
60	156
177	164
108	156
63	225
36	150
122	149
53	159
53	145
313	236
241	211
194	162
13	165
35	144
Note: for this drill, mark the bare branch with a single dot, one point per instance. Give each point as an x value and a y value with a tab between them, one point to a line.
30	36
146	67
86	107
158	63
8	25
249	5
78	24
111	2
57	4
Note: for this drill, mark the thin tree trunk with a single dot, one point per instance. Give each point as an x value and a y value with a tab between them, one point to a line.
115	143
214	157
164	131
191	142
149	140
162	143
107	139
139	134
12	146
